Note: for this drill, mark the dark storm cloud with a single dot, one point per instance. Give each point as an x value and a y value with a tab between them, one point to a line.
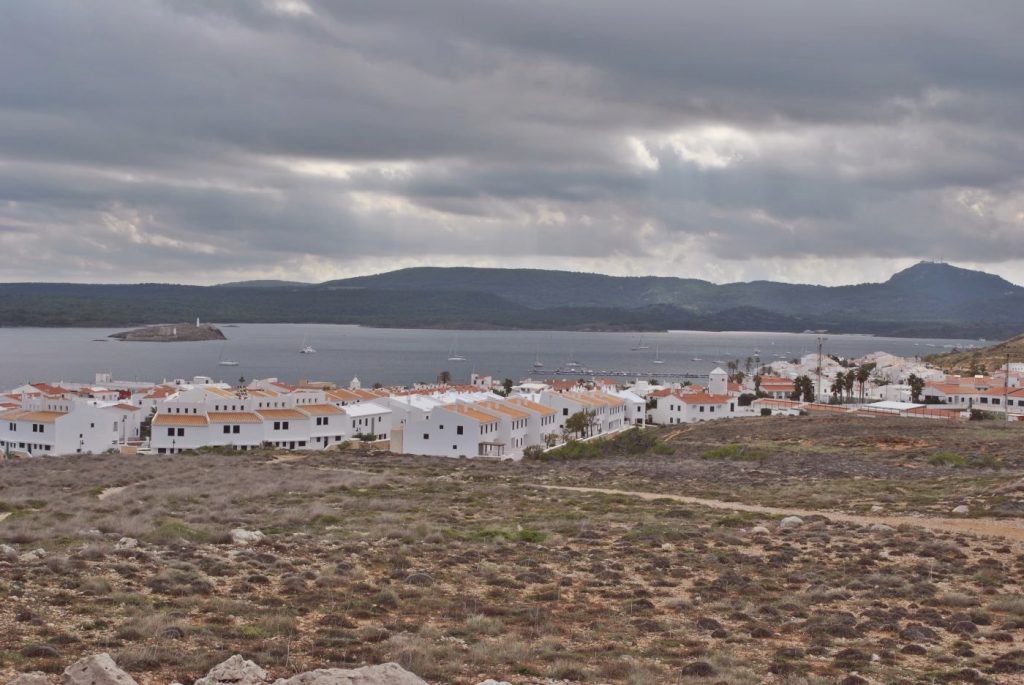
185	140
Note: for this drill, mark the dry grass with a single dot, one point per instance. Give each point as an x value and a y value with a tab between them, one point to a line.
459	569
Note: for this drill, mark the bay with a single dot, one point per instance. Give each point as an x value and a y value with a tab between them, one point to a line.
406	356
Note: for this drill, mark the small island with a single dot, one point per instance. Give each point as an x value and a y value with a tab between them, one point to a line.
172	332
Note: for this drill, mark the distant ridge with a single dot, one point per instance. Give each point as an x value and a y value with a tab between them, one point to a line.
925	300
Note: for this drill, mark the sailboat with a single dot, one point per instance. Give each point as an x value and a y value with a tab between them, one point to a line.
657	356
306	347
225	362
640	344
453	355
537	363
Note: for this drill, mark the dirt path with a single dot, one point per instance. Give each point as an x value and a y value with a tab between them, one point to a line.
1011	529
110	492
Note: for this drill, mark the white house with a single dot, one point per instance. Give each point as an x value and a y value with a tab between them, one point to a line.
454	430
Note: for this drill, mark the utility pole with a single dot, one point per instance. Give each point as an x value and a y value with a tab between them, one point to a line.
817	390
1006	388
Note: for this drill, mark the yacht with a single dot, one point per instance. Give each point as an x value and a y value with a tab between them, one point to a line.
225	362
453	355
640	344
537	363
657	356
306	347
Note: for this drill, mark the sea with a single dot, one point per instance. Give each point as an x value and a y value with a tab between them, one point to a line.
405	356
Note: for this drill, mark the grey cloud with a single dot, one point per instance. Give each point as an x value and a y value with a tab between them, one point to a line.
165	140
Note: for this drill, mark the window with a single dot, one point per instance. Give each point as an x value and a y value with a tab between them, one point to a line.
702	407
236	429
284	425
277	425
426	436
170	432
227	429
458	430
565	411
181	432
455	447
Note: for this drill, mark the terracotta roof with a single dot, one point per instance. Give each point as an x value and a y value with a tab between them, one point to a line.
321	410
533	406
14	415
125	407
470	412
42	416
160	392
826	408
505	409
180	420
291	414
234	417
951	389
704	399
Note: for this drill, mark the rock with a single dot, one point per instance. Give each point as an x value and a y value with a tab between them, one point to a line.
384	674
39	650
962	510
126	543
234	671
880	528
759	530
791	522
8	553
491	681
34	555
708	623
914	650
241	536
96	670
876	508
915	632
35	678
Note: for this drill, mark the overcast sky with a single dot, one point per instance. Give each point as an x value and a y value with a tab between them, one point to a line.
797	140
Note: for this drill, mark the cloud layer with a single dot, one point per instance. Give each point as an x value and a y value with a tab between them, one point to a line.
200	142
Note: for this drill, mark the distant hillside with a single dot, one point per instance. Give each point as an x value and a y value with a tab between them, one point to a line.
936	300
988	358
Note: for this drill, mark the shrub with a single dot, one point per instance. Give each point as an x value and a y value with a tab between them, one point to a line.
947	459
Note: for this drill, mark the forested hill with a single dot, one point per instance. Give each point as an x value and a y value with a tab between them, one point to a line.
925	300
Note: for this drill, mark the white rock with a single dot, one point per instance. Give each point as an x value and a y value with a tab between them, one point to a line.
8	552
876	508
234	671
34	678
126	543
96	670
881	528
491	681
962	510
34	555
791	522
241	536
384	674
759	530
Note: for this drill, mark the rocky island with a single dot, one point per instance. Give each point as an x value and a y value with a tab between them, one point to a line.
172	332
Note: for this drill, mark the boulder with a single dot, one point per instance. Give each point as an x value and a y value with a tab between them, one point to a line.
759	530
384	674
962	510
791	522
880	528
876	508
34	555
234	671
241	536
96	670
35	678
9	553
126	543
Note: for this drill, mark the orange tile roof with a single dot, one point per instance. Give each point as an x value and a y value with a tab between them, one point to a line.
704	399
160	392
291	414
42	416
533	406
472	413
180	420
126	407
321	410
14	415
234	417
505	409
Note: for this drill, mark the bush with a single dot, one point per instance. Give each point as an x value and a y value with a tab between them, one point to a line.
947	459
533	452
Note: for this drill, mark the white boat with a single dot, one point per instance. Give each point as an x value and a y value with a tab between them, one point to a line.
537	363
696	359
225	362
453	355
640	344
657	356
306	347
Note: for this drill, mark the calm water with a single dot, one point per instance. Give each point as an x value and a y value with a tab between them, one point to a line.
398	356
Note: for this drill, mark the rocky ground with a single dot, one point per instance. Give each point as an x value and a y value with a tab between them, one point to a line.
465	570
